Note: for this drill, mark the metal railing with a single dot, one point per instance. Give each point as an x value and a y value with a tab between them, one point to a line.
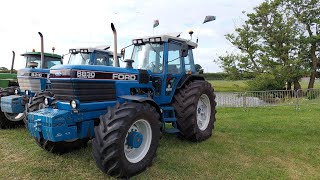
267	98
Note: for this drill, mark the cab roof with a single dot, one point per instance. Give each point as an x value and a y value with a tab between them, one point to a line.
167	37
103	48
39	54
91	49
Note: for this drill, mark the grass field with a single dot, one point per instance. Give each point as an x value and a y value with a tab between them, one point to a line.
228	86
263	143
240	86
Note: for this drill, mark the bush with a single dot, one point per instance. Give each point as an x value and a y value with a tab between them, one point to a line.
216	76
264	82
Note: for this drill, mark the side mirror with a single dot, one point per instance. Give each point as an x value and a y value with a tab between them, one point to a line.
184	50
123	52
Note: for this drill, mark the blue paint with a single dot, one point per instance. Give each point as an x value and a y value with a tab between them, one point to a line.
12	104
65	123
134	139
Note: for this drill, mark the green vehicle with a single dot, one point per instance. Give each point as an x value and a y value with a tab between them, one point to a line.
8	78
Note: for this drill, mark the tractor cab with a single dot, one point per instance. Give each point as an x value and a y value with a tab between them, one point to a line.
91	56
168	59
33	60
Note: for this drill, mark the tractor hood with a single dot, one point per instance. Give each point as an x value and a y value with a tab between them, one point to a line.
93	72
32	72
31	79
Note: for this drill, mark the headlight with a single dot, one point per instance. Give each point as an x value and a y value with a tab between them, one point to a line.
16	92
27	92
46	101
73	104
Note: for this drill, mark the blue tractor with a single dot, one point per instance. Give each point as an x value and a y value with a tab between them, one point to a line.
32	79
34	82
125	110
78	56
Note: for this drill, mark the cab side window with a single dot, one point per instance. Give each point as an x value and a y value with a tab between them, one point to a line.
101	59
174	59
187	63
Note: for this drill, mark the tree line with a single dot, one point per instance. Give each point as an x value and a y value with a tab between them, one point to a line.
278	43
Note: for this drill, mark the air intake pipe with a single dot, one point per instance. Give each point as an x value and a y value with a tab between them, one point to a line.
42	51
115	54
12	63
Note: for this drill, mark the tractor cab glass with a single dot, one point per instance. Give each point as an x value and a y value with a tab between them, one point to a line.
90	58
49	61
148	56
79	59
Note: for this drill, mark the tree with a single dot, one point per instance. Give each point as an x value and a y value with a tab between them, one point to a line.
269	42
307	13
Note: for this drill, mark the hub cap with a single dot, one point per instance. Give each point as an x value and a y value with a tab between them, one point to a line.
14	116
203	112
138	141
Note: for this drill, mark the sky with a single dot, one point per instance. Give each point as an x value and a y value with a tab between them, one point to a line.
83	23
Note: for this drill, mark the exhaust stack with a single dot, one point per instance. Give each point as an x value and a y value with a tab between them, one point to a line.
13	57
115	54
42	51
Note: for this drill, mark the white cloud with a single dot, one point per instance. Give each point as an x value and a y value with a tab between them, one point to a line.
74	23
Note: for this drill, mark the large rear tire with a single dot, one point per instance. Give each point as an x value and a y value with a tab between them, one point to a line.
9	120
195	110
113	147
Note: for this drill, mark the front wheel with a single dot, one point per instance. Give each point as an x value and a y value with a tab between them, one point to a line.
61	147
9	120
126	140
35	103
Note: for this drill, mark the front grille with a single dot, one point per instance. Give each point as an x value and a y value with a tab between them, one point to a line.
83	91
31	84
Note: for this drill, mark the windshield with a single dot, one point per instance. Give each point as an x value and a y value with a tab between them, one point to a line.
50	61
99	58
79	59
149	57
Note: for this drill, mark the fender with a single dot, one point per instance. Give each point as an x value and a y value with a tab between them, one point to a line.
189	77
141	99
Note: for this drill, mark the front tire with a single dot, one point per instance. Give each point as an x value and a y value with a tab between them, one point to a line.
61	147
35	103
195	110
126	140
9	120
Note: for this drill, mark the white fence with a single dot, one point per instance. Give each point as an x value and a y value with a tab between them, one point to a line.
267	98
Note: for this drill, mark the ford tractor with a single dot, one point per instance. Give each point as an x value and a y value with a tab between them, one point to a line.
31	79
125	110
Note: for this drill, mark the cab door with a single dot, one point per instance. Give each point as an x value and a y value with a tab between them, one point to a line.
174	70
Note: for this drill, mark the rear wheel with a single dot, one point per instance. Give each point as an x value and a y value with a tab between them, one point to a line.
9	120
195	110
126	140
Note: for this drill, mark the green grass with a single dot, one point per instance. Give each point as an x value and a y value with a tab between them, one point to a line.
228	86
263	143
241	86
